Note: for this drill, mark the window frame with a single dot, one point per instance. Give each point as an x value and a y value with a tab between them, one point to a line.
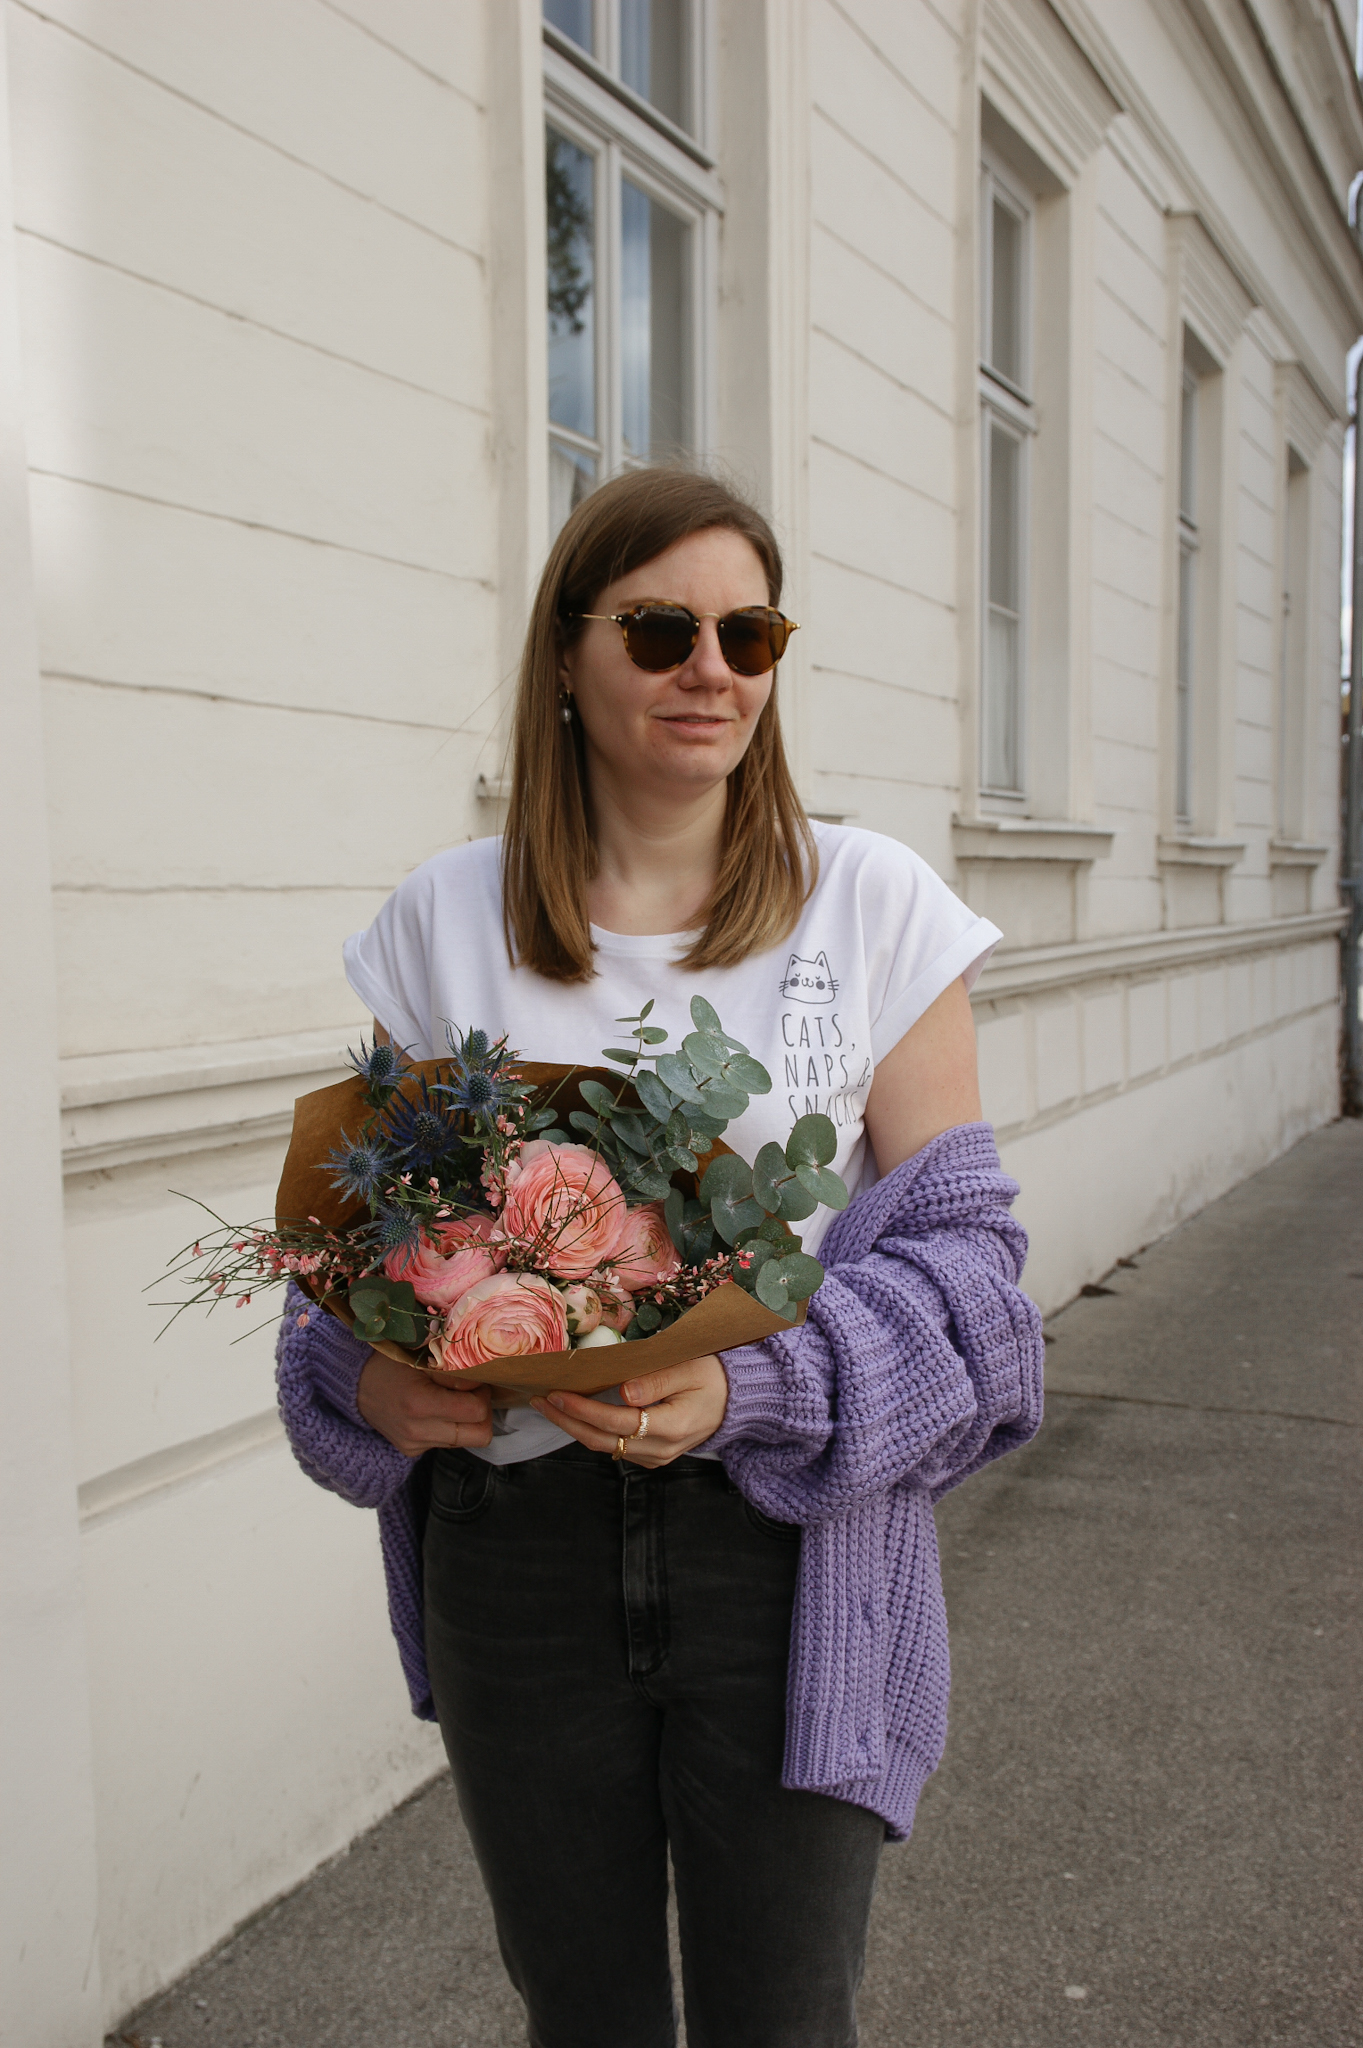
627	138
1006	405
1189	621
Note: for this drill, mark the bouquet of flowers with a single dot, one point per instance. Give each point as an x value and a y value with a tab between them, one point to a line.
508	1222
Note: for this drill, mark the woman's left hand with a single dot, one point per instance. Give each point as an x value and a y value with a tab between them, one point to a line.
685	1405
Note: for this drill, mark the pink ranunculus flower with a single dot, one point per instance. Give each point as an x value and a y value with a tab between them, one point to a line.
418	1266
645	1255
564	1206
459	1273
467	1233
462	1231
504	1316
582	1306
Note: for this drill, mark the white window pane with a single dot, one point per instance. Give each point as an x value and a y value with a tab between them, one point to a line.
572	477
653	53
1183	737
1006	310
1005	518
1187	452
572	314
1001	764
1002	692
654	327
574	18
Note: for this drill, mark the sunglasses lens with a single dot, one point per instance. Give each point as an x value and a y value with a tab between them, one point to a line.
753	640
659	636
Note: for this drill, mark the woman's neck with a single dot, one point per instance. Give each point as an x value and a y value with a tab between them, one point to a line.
656	859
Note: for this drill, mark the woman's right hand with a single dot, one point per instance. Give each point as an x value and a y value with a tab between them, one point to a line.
416	1415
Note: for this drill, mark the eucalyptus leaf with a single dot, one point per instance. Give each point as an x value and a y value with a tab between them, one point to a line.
541	1118
796	1203
629	1129
648	1315
705	1018
554	1136
674	1211
677	1130
658	1100
652	1035
757	1251
813	1142
677	1075
731	1215
748	1074
653	1187
597	1097
825	1187
678	1159
768	1171
772	1290
801	1275
581	1121
703	1126
721	1100
771	1230
727	1178
706	1055
618	1053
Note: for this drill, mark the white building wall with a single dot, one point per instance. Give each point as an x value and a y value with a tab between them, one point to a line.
284	402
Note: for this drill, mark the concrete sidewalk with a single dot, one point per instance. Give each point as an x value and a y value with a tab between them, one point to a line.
1146	1828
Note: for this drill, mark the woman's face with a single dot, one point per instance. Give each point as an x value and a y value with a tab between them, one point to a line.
689	727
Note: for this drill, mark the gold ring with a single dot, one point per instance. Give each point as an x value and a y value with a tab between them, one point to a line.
619	1450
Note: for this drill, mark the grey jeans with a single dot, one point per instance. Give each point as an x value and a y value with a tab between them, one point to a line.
608	1650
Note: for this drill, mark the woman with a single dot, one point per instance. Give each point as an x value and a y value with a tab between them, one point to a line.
728	1643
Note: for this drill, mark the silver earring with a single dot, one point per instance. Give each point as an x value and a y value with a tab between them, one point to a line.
565	709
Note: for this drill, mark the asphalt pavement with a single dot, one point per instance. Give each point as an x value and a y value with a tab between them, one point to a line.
1147	1826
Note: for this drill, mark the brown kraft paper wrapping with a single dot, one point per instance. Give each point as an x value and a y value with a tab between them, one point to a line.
728	1317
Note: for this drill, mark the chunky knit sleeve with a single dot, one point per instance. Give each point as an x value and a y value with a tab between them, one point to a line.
921	1358
318	1367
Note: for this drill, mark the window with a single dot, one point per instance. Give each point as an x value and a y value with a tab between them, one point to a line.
1293	693
631	207
1007	424
1188	549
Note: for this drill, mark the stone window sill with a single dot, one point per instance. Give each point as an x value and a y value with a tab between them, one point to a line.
1049	839
1295	853
1191	850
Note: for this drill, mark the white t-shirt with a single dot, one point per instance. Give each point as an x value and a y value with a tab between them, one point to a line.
879	939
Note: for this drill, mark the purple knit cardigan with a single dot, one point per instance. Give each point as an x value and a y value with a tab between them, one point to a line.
920	1361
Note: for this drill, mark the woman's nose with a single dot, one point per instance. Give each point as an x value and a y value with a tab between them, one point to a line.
706	666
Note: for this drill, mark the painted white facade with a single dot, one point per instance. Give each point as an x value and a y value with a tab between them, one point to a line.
273	495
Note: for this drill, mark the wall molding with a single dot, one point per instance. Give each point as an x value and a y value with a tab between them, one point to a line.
1044	85
1050	839
124	1487
1046	969
120	1108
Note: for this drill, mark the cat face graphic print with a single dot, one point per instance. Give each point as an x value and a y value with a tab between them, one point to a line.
809	981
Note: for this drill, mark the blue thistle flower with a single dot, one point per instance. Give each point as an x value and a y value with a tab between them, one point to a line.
359	1168
393	1230
480	1085
378	1066
419	1133
473	1048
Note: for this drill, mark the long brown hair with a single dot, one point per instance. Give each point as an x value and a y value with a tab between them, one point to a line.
769	862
